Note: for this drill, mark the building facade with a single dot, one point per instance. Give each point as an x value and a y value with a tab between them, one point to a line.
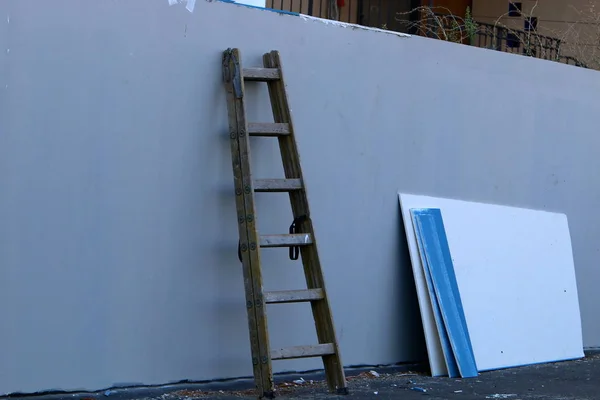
560	30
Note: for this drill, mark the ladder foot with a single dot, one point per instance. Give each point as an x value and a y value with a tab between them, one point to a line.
342	391
268	395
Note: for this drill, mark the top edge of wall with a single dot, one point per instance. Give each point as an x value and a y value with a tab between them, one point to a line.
348	25
303	16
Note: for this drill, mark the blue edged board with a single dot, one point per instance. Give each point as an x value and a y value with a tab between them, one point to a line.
434	250
453	371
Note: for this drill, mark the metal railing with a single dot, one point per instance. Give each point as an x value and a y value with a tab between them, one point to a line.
572	61
495	37
515	41
329	9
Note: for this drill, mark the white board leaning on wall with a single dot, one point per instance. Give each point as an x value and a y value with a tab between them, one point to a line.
516	277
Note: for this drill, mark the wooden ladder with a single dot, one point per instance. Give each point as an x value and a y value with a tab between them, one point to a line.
301	239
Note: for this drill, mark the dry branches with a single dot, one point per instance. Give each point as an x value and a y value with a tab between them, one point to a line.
574	42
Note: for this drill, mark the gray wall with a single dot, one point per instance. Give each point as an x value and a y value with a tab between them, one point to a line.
118	232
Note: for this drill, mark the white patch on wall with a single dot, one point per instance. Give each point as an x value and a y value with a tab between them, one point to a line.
189	6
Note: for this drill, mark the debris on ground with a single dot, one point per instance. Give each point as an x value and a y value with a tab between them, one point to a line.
570	379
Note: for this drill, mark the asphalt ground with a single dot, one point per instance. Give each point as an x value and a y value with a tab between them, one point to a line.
569	380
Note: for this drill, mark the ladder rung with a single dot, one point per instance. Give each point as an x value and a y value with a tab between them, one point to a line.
286	240
277	185
261	74
293	296
268	129
315	350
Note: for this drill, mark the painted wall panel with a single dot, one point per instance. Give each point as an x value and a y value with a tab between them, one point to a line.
118	237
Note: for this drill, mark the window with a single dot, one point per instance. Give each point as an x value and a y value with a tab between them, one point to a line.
514	9
531	24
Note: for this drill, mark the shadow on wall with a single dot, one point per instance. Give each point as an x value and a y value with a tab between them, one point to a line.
228	318
407	299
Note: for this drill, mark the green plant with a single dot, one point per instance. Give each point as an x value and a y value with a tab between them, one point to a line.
470	24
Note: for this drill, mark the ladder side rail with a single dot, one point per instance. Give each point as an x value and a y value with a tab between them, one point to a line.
250	250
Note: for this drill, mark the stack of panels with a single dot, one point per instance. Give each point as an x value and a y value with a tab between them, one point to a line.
496	285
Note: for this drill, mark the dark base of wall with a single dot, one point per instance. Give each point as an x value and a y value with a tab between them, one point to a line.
237	384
